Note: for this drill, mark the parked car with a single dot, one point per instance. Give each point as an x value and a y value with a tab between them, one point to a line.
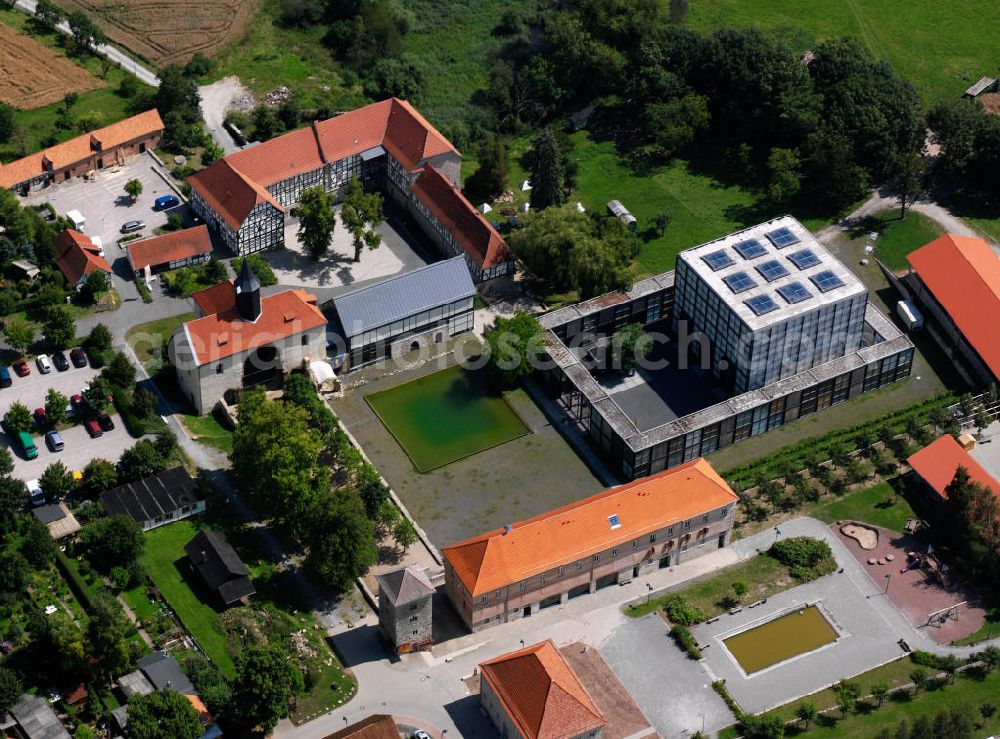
78	357
54	441
132	226
5	380
79	405
27	445
93	428
166	201
41	418
105	422
60	361
35	494
44	365
21	368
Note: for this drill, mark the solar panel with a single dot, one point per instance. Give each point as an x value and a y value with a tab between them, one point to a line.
718	259
794	292
826	280
771	270
782	237
739	282
804	259
750	249
761	304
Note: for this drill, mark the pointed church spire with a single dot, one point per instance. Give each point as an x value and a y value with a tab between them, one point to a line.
248	292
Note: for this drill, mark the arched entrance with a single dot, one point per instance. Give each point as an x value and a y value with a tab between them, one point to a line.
263	367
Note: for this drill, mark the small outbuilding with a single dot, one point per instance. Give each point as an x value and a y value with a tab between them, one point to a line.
620	212
26	269
984	85
378	726
405	615
35	719
218	565
58	519
184	248
156	500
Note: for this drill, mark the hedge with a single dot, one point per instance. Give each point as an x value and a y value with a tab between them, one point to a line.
76	584
719	686
140	285
686	641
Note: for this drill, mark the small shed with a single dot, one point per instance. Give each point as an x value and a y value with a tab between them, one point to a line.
620	212
985	84
58	519
580	118
26	268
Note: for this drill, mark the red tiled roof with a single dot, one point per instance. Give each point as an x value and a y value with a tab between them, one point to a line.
79	148
223	334
963	274
563	536
189	242
379	726
215	299
541	693
410	137
473	232
937	462
230	193
278	159
77	257
353	132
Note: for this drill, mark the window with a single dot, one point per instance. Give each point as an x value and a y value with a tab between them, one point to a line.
704	519
413	606
635	543
652	538
520	585
414	632
687	525
218	368
413	619
597	557
562	571
305	340
614	552
579	565
485	599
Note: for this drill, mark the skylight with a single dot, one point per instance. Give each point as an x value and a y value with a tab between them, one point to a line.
772	270
782	237
750	249
761	304
739	282
804	259
826	280
794	292
718	259
614	521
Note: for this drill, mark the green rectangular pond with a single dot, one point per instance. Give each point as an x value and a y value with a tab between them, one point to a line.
783	638
446	416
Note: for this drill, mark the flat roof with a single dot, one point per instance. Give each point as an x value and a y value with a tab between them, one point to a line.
774	276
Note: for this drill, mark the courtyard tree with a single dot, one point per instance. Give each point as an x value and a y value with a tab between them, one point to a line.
99	337
767	726
919	678
547	172
164	714
740	588
112	541
630	344
847	694
316	220
18	418
514	345
342	546
94	285
133	188
361	214
98	393
950	664
404	533
6	462
59	328
19	334
55	481
99	475
908	169
806	713
981	419
265	685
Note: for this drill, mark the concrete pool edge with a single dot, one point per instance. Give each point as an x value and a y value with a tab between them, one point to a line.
839	631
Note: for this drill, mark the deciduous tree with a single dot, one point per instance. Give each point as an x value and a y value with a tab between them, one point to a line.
55	481
97	393
10	688
266	682
361	214
85	33
59	328
55	406
99	475
515	345
19	334
342	545
113	541
164	714
316	220
120	371
806	713
18	418
37	545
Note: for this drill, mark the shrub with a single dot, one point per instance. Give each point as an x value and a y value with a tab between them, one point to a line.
926	659
260	268
140	285
805	557
685	641
682	613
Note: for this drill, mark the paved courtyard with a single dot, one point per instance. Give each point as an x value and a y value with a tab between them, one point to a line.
80	448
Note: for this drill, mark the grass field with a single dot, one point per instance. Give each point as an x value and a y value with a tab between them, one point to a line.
149	340
445	417
164	561
940	47
877	505
207	430
897	238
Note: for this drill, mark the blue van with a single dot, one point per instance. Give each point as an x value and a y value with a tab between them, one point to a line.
5	380
166	201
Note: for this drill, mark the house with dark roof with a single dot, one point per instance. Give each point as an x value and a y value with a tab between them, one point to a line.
111	145
607	539
58	519
77	256
411	311
378	726
184	248
219	567
244	339
388	145
35	719
533	693
956	281
156	500
405	603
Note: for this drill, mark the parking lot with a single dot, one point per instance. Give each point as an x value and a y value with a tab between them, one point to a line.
80	448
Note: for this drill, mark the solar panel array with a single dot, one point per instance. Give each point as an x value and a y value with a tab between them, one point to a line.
826	280
772	270
782	237
718	260
761	304
794	292
750	249
739	282
804	259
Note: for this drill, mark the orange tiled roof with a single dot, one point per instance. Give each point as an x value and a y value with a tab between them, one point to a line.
473	232
77	257
229	192
541	693
282	157
560	537
189	242
215	299
352	132
963	274
379	726
81	147
937	462
223	334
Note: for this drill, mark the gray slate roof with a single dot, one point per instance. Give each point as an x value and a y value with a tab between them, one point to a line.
135	683
219	566
405	585
36	717
404	295
164	672
49	513
156	495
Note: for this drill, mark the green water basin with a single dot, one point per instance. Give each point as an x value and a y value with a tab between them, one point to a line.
783	638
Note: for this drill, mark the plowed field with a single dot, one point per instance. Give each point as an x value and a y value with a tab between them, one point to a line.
32	75
169	31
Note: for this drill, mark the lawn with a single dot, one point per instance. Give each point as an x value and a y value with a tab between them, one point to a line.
868	721
139	601
149	340
897	238
163	559
446	416
878	505
101	107
941	48
207	430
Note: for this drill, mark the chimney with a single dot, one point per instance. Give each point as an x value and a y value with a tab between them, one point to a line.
506	529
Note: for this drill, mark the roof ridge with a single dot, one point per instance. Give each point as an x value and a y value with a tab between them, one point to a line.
975	240
400	276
